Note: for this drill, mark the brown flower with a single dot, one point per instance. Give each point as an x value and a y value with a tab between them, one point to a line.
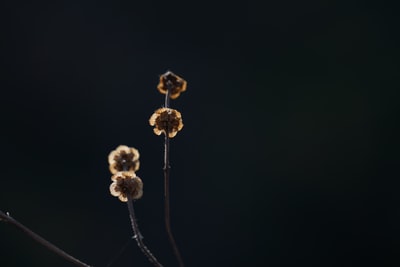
124	159
126	184
172	82
166	120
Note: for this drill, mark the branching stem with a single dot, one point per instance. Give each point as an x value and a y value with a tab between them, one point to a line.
138	236
167	168
8	219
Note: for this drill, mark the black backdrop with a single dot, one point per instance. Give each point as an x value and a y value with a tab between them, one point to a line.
288	156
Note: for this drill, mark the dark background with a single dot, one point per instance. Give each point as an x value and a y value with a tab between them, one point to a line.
288	156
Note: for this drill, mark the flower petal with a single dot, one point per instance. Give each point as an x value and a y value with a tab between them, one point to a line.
113	190
123	198
113	168
111	157
157	131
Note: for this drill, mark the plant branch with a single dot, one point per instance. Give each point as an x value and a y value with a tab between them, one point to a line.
8	219
167	168
138	236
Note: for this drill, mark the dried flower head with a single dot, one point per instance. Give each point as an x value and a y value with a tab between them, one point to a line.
126	184
166	120
124	159
173	82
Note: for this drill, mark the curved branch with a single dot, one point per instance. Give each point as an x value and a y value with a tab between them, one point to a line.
8	219
138	236
167	168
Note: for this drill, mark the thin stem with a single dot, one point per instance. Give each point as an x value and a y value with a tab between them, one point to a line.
138	236
8	219
166	104
167	168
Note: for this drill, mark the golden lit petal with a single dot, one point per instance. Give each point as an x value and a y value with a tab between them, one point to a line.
157	131
124	148
111	157
123	175
174	96
180	126
172	134
135	167
178	114
113	168
115	176
184	85
135	153
128	175
160	86
161	90
113	190
123	198
153	118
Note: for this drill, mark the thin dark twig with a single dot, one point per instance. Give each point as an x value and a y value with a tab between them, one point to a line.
8	219
138	236
167	168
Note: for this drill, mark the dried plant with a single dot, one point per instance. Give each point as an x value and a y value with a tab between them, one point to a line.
169	122
123	165
8	219
128	187
124	159
166	120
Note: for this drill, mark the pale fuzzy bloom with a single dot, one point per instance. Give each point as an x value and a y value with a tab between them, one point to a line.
166	120
176	84
124	158
126	184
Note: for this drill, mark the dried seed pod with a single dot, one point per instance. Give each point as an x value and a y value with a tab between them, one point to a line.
172	82
126	184
124	158
166	120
